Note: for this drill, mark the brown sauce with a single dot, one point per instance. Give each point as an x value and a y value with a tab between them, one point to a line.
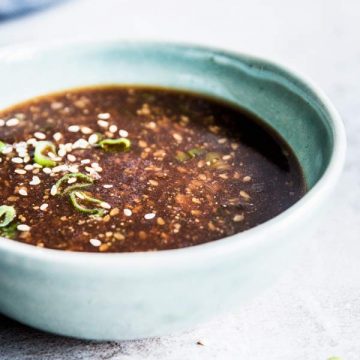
197	170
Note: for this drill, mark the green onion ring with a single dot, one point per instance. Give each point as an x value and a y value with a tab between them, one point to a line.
8	214
40	156
75	196
194	152
121	144
9	231
85	182
183	156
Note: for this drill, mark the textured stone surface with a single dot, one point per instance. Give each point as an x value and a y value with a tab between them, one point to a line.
314	310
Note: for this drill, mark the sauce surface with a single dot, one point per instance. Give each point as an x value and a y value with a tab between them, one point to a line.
196	170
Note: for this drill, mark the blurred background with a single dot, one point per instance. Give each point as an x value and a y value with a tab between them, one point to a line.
313	313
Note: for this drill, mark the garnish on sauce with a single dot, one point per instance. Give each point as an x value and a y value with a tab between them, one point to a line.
120	144
42	151
80	200
71	182
7	215
183	156
2	146
196	170
9	231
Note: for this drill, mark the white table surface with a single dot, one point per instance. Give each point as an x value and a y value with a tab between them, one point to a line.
313	312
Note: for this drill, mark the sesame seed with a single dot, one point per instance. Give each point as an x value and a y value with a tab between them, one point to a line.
142	143
73	168
23	227
28	167
96	167
43	207
123	133
153	182
80	144
79	195
114	212
68	147
105	205
31	141
95	242
2	122
47	170
86	130
60	168
71	157
20	171
57	136
93	139
85	161
53	156
8	149
53	190
244	195
21	154
12	122
113	129
178	137
151	125
17	160
23	192
74	128
127	212
107	186
238	218
104	116
149	216
160	221
103	123
40	135
246	178
62	152
35	180
56	105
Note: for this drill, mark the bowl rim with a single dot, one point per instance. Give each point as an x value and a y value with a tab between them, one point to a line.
248	239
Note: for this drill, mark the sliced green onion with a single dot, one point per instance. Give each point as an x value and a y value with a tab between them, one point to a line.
195	152
42	148
80	200
2	146
7	215
9	231
121	144
63	187
182	156
212	157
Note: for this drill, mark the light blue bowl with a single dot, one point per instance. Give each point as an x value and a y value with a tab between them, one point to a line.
136	295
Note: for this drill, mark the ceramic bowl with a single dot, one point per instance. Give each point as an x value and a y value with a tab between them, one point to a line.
137	295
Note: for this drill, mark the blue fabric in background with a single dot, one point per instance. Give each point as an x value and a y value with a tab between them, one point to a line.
10	8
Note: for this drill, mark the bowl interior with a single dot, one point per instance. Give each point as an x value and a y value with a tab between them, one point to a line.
270	92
